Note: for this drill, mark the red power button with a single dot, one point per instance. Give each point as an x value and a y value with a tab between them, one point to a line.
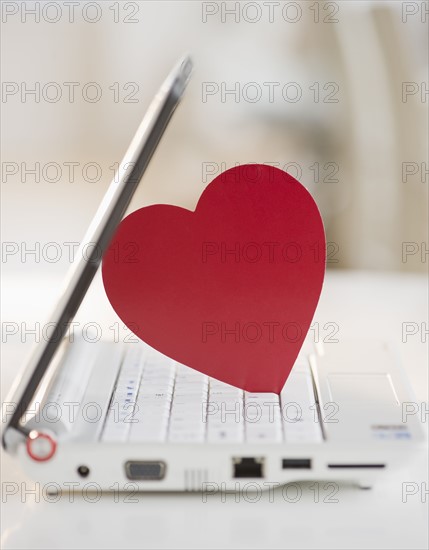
40	446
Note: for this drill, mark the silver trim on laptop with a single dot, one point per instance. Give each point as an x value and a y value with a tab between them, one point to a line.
99	234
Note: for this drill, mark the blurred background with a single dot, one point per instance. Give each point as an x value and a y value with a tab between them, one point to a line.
335	93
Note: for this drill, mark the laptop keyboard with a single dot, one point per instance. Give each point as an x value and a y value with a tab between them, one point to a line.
157	400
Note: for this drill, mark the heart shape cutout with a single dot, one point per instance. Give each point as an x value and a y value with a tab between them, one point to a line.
229	289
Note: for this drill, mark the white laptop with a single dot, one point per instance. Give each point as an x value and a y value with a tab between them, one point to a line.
106	414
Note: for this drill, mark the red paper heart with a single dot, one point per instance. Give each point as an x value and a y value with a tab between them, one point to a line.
230	289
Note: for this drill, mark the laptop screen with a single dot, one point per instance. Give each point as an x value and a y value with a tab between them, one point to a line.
99	233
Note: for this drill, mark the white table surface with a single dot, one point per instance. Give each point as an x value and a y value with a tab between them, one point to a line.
363	304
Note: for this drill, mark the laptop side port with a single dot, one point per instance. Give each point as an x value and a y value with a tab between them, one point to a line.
248	467
145	470
296	464
356	465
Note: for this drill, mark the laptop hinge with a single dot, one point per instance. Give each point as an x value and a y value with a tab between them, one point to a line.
12	437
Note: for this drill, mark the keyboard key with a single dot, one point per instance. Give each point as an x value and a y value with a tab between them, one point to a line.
300	422
147	436
226	434
264	433
121	409
186	437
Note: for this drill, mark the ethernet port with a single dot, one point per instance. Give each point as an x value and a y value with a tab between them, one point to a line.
248	467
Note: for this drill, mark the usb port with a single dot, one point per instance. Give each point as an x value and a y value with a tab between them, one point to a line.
296	464
248	467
